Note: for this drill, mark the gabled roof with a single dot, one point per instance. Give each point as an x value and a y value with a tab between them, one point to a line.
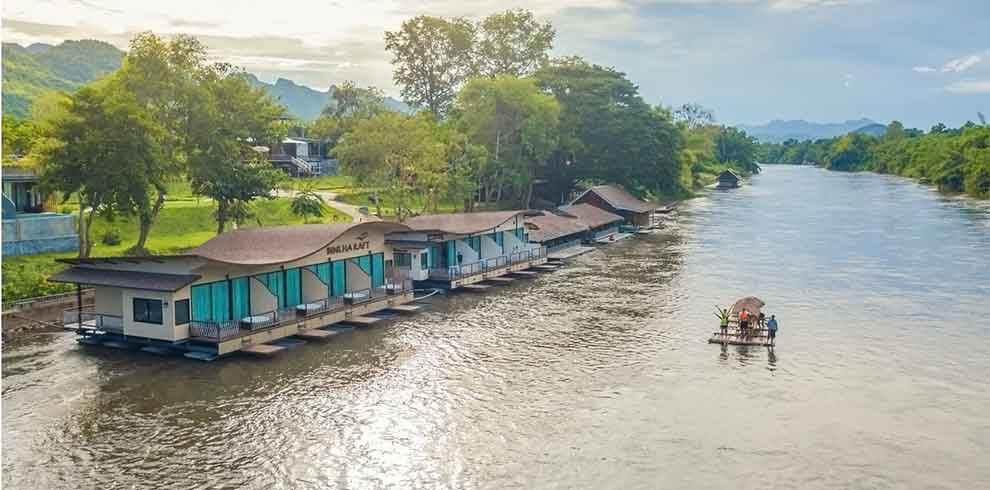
148	281
462	223
727	172
592	216
618	198
280	244
548	226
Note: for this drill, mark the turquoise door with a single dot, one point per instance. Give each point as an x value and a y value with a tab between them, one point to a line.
364	263
241	297
339	276
201	303
273	281
434	256
451	252
377	270
293	287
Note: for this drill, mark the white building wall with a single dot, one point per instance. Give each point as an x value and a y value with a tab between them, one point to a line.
489	248
356	278
470	256
109	301
262	300
313	289
165	331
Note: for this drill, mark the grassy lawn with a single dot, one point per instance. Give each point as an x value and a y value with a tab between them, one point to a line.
184	223
362	197
333	183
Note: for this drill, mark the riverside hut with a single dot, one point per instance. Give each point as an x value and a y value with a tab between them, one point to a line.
728	179
602	225
617	200
241	289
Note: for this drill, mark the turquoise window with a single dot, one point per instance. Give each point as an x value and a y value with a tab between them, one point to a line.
451	252
377	270
240	297
424	259
339	274
201	303
364	263
219	302
434	256
273	281
293	287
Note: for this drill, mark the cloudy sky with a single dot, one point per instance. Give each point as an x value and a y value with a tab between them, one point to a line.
918	61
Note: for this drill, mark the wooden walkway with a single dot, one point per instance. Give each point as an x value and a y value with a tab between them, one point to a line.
262	349
405	308
363	321
474	288
315	334
502	279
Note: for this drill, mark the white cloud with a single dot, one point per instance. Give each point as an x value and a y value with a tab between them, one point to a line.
924	69
969	87
960	65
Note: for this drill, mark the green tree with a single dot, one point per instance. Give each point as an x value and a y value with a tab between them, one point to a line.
517	124
18	135
222	163
308	203
733	145
104	149
349	100
608	133
431	59
398	156
512	43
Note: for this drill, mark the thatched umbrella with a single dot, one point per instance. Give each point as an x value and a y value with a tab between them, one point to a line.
751	303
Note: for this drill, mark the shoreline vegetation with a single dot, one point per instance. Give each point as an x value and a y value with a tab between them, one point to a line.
953	160
497	124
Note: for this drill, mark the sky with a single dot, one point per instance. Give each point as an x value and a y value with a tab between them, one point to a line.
750	61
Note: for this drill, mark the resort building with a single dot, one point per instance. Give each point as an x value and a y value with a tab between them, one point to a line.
243	288
302	157
455	250
27	228
557	231
615	199
601	224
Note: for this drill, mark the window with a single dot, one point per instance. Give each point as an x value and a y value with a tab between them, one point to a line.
148	310
403	260
182	312
424	260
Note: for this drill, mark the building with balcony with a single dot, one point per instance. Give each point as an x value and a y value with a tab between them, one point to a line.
242	288
27	228
455	250
302	157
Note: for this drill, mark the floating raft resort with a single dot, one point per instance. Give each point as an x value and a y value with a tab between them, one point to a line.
262	291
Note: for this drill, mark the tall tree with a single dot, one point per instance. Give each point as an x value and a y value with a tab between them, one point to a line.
349	100
166	77
694	116
608	132
103	148
431	59
734	146
222	163
517	124
398	156
512	43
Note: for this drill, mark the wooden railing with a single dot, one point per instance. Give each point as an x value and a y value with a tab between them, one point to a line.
486	265
88	319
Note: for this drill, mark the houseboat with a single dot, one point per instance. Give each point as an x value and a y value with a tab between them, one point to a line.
560	233
242	289
603	226
617	200
456	250
728	179
28	228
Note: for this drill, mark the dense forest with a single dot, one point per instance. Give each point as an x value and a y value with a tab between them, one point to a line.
954	160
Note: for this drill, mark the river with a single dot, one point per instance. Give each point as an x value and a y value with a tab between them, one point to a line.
594	376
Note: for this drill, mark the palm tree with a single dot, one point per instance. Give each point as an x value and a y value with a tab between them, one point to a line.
308	203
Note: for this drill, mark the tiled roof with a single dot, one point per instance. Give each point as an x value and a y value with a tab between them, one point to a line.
461	223
549	226
149	281
279	244
590	215
619	198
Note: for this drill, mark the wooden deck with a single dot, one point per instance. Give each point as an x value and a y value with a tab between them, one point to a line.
476	288
569	253
524	273
758	337
406	308
315	334
262	349
363	321
502	279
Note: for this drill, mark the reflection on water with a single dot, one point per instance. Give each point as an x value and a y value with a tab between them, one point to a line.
594	376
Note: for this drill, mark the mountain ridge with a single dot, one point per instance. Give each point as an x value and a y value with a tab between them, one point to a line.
779	130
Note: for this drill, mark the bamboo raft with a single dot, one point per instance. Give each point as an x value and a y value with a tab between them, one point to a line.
756	335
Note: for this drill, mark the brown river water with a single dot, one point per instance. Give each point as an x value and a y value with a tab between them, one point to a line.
598	375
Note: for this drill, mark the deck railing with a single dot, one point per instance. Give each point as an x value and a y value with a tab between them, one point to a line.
88	319
214	330
485	265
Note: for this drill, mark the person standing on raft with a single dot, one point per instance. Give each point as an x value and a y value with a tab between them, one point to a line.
772	328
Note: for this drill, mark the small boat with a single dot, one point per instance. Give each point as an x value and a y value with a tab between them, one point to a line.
755	334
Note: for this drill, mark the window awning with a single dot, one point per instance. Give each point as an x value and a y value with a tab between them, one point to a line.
149	281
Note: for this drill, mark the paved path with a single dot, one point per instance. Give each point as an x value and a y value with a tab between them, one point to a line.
330	198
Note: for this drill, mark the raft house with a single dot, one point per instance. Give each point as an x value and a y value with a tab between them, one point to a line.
617	200
263	290
453	251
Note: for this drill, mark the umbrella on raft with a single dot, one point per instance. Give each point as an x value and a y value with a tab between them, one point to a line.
751	303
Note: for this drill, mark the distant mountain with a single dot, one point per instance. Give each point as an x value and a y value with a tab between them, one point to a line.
30	72
778	131
876	130
307	103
